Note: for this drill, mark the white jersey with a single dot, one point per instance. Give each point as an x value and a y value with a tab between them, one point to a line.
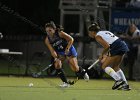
107	36
136	33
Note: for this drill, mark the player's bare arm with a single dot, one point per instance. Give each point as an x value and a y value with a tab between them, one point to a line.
53	53
105	45
68	38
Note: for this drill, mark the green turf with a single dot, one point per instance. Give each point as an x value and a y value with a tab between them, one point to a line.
16	88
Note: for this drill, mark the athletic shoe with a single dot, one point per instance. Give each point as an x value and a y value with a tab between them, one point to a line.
125	88
117	84
86	77
64	85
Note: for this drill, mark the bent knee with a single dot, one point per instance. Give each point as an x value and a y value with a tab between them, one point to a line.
58	65
75	68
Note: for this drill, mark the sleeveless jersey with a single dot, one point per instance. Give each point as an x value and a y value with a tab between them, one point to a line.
59	44
107	36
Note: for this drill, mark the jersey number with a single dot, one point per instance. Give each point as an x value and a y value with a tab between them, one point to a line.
112	35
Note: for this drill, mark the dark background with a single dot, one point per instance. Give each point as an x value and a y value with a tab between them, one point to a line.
20	35
22	23
37	11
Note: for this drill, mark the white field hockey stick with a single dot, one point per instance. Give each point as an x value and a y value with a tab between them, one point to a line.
91	66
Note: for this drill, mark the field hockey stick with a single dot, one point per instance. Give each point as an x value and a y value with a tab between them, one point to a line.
91	66
72	82
39	73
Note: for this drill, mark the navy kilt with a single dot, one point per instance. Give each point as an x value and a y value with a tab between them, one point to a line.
118	47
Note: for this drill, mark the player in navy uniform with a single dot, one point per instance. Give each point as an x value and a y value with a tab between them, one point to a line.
61	48
116	48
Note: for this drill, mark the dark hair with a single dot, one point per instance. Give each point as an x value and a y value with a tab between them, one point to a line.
52	25
129	28
94	27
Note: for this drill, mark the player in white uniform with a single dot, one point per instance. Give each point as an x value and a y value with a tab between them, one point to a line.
132	37
116	48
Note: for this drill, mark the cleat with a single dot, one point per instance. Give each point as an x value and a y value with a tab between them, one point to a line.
125	88
64	85
117	84
86	77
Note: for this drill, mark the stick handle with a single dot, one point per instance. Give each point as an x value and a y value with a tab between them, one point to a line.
91	66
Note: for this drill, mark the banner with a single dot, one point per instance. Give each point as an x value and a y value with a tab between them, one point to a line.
121	19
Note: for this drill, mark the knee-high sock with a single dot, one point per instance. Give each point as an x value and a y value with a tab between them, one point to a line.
62	75
81	72
121	74
112	73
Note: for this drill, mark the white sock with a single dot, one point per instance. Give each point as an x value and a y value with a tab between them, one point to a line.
121	74
112	73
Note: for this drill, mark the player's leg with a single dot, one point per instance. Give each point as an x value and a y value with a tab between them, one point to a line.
60	72
125	86
78	70
120	73
72	58
110	71
105	65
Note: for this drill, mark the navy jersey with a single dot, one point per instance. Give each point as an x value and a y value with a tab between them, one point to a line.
59	44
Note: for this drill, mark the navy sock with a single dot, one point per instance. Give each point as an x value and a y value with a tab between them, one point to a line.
62	75
80	73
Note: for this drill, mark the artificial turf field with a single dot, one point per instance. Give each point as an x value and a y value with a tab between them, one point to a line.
16	88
